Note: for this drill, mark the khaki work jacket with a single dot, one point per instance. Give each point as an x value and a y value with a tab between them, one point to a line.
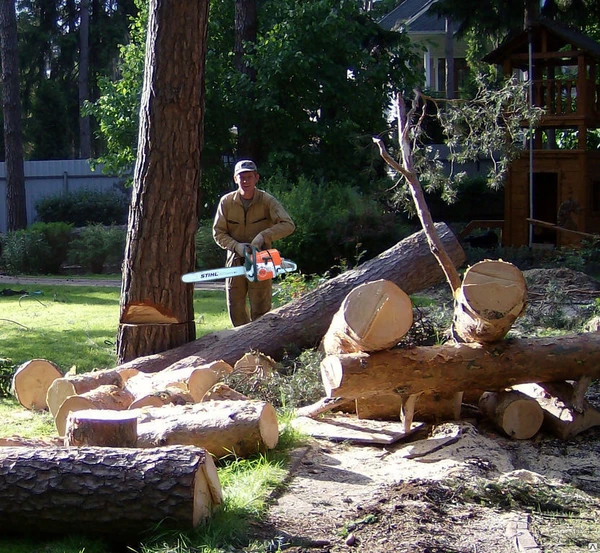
233	224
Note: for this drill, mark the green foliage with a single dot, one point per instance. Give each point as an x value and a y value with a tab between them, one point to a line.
83	207
323	73
208	254
7	369
26	252
117	108
296	382
58	236
335	224
96	245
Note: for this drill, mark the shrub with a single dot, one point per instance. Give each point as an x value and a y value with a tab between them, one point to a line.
26	251
96	245
58	236
84	207
335	225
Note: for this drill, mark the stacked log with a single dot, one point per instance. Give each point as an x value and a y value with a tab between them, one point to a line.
112	491
491	297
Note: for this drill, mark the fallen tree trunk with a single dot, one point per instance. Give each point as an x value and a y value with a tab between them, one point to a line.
114	491
454	367
223	428
304	321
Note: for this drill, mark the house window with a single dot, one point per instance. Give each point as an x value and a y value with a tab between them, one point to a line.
461	74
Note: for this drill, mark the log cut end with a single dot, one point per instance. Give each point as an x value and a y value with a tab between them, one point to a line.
31	381
58	391
332	373
372	317
493	294
519	416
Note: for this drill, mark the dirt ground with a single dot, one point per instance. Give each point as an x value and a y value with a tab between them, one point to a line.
457	486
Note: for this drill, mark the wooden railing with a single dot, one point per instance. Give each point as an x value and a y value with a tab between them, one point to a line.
560	97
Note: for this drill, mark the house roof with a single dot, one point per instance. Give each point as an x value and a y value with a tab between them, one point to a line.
413	15
557	37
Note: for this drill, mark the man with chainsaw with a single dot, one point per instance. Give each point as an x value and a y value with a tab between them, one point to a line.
248	217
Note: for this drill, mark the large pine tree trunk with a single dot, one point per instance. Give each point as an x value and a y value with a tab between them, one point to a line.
164	208
112	491
16	215
303	322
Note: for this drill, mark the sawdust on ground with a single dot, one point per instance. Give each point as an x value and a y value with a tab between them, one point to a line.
420	495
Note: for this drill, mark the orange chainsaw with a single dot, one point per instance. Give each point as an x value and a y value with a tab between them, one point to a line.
258	265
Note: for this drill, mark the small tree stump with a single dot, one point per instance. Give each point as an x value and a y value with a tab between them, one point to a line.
31	381
519	416
106	428
493	294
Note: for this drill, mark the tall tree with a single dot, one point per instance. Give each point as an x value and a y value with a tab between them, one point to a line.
246	28
85	134
11	104
156	307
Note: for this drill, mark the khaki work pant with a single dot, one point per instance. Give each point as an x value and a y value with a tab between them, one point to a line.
238	289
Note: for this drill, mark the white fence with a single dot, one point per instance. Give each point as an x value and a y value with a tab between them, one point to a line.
52	178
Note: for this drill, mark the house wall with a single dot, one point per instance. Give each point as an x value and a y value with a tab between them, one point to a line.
433	47
52	178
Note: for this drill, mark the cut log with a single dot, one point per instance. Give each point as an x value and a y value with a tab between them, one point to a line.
492	295
114	491
103	397
304	321
105	428
562	416
223	428
77	384
517	415
195	379
372	317
31	381
20	441
454	367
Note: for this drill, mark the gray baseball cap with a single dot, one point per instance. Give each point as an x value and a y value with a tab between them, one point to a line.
243	166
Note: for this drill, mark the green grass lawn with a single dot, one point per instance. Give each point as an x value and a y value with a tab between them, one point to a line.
77	325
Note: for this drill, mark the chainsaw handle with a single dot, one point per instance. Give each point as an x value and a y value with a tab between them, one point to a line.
250	259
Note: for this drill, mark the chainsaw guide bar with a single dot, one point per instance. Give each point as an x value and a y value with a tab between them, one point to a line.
258	266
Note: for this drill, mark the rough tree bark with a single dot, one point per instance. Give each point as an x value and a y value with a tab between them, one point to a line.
156	307
114	491
303	322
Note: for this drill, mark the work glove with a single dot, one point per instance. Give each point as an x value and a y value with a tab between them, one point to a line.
259	241
240	248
